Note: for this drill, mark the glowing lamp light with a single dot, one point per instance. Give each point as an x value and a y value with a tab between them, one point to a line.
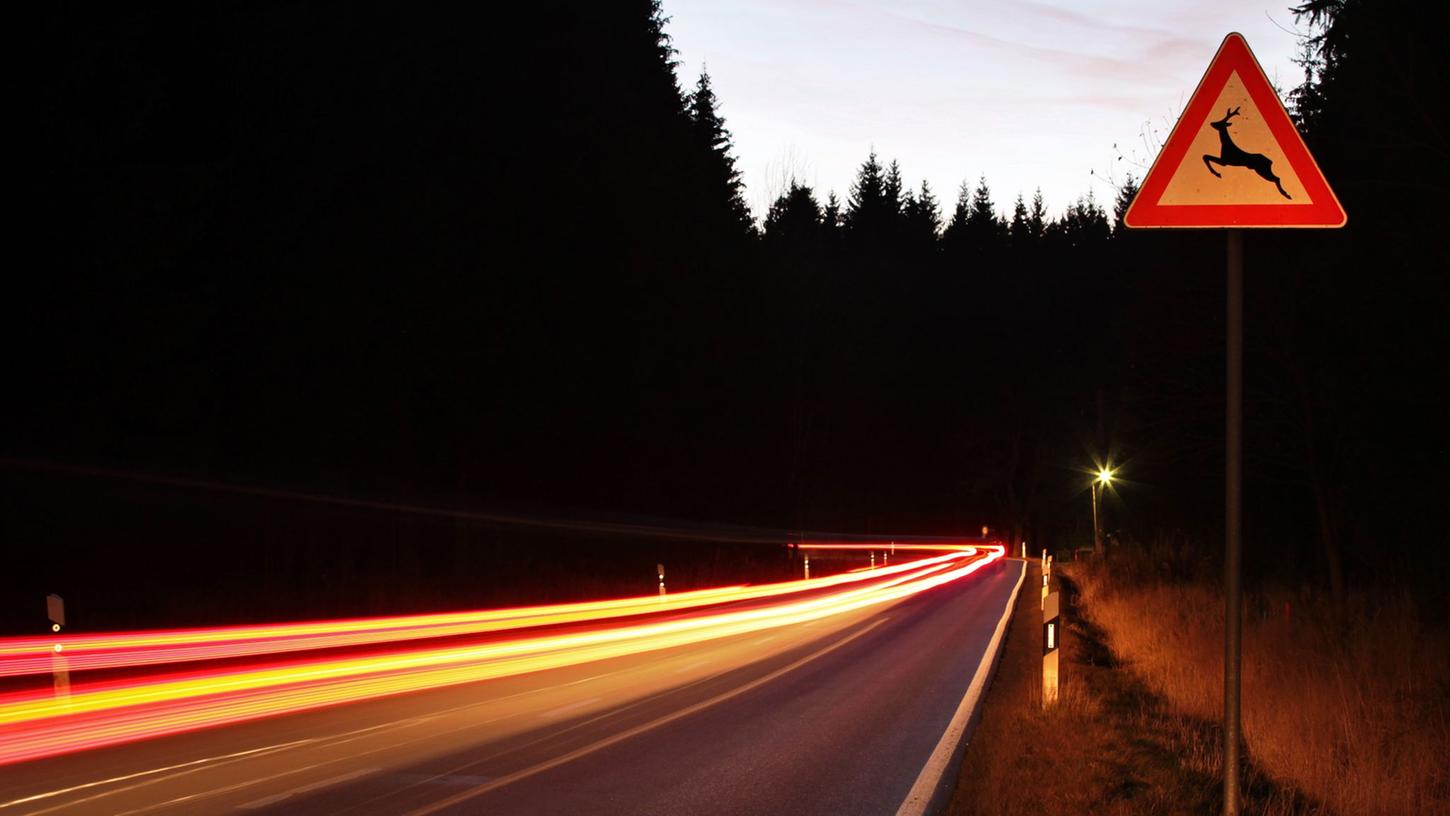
1105	476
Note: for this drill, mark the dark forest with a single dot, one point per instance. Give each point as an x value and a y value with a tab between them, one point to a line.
491	262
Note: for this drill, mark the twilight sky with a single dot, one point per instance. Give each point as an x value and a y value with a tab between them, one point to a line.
1029	93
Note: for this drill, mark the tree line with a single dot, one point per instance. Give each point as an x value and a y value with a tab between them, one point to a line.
409	254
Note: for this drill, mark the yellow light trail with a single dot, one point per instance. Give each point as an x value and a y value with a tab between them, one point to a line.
35	724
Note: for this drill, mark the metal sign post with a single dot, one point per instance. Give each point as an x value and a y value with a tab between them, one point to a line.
1257	173
1233	579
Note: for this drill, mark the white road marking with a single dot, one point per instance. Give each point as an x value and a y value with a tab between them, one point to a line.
941	757
636	730
585	680
565	709
690	665
278	797
202	764
171	772
61	792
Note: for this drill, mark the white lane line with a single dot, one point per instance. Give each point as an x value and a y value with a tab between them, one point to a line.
259	780
565	709
278	797
585	680
61	792
941	758
621	736
193	766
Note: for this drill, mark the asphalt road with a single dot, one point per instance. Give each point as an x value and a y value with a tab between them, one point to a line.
837	716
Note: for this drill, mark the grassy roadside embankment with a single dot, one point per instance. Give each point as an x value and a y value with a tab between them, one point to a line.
1347	703
1344	719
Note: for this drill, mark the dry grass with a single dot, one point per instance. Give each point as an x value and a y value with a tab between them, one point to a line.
1348	706
1111	746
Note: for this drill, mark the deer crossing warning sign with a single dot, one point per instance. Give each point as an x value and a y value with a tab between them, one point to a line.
1234	159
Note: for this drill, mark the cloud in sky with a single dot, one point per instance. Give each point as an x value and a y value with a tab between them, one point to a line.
1028	94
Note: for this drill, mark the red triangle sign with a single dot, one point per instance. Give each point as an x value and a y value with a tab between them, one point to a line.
1234	159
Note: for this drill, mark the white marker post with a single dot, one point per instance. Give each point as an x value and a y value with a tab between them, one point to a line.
873	559
1051	645
808	566
660	568
59	666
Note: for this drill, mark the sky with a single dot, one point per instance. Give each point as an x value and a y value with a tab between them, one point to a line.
1029	94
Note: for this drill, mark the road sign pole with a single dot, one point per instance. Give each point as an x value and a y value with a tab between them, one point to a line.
1233	529
1266	178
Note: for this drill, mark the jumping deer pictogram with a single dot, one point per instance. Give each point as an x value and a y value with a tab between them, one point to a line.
1231	155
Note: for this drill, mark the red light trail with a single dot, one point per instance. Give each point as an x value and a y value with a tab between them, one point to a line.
405	654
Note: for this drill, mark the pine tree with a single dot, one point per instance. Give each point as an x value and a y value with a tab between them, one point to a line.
1020	230
1037	219
1083	224
956	231
795	217
892	189
921	216
720	170
831	217
1126	193
984	229
869	212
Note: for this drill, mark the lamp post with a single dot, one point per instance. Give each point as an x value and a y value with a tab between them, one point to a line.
1105	478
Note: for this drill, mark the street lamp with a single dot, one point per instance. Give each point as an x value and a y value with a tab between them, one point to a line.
1105	478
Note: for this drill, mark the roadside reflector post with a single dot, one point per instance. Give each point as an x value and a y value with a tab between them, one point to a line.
660	568
59	666
1024	551
873	559
808	566
1051	647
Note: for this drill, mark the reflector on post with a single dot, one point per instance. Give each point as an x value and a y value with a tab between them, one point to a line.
1051	648
59	666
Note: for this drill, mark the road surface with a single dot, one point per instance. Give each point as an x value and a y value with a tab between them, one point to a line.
833	716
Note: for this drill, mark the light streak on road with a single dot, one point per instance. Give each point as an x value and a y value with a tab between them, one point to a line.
36	724
32	654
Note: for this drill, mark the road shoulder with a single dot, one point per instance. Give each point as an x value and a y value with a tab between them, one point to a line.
1108	747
